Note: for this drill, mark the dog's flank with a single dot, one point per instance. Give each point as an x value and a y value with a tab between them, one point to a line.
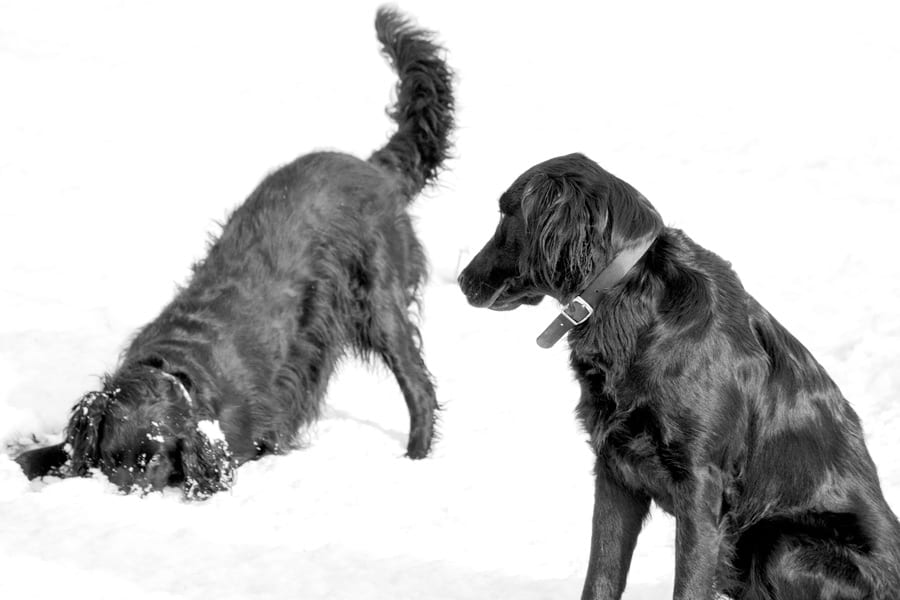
696	398
321	259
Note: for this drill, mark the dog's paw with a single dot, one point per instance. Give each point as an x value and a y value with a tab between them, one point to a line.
419	444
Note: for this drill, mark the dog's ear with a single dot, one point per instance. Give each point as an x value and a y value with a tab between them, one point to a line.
578	219
39	462
206	460
566	227
83	432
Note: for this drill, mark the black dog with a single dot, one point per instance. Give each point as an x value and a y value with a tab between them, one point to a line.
694	397
321	258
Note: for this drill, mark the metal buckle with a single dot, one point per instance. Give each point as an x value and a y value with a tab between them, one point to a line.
576	302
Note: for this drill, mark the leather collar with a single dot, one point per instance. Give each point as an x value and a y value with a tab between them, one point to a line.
582	306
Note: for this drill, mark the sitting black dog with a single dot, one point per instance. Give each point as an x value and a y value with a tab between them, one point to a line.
321	258
694	397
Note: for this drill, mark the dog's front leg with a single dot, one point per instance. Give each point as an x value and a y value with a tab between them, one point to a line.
698	536
618	516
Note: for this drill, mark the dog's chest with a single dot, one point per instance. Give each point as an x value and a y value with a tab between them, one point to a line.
631	439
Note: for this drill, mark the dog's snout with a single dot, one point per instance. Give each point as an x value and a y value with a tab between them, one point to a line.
461	281
466	283
472	289
153	476
482	295
464	280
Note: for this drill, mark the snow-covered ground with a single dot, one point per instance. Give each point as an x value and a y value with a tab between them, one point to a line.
770	133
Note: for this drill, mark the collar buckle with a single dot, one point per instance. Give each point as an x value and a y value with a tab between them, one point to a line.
577	311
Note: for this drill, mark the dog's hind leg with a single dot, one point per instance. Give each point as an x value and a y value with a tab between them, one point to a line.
805	571
395	338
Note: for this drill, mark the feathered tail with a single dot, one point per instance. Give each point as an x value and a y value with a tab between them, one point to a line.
424	107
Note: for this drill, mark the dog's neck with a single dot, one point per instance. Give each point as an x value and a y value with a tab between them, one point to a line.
580	309
157	367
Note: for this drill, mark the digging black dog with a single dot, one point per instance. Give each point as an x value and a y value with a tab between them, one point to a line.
321	258
694	397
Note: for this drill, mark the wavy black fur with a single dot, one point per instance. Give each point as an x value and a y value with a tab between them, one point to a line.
424	107
696	398
320	259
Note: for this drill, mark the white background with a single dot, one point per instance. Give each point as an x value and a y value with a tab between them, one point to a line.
769	132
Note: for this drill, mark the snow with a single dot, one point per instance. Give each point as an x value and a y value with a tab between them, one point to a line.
156	435
770	135
211	430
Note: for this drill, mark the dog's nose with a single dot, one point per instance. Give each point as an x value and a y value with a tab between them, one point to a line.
468	288
464	280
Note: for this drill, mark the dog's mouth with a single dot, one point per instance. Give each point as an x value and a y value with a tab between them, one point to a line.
492	300
503	299
529	299
507	296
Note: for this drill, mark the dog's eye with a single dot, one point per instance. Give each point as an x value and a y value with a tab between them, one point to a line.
508	232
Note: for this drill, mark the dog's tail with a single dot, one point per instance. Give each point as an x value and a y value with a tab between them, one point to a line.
424	107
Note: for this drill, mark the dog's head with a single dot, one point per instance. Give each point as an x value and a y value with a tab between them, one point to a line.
562	221
142	433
